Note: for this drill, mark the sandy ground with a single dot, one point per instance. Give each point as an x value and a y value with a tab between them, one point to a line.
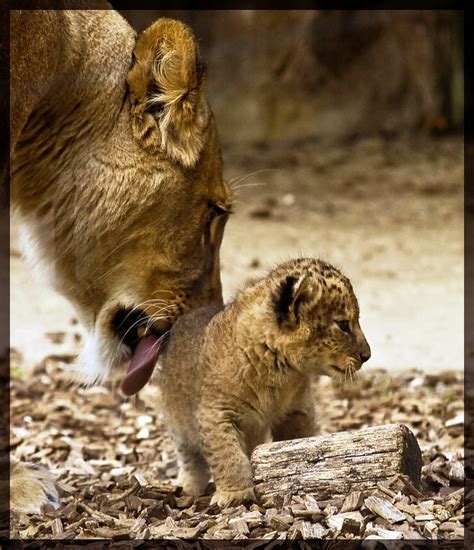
388	213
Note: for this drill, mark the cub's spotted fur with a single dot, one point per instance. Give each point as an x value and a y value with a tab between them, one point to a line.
232	374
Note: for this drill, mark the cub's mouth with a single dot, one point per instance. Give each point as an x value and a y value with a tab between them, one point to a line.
336	370
144	337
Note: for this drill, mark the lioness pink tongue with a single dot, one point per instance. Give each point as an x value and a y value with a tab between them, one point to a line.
141	366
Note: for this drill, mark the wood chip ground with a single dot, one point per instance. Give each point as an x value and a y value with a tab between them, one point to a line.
116	467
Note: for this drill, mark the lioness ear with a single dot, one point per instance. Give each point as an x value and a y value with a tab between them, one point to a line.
291	294
166	81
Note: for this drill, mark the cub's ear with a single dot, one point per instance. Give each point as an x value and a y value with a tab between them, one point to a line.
169	111
291	294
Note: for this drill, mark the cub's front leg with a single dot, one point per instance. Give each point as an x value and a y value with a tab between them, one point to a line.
224	448
300	420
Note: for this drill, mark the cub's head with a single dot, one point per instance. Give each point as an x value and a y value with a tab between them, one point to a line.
317	318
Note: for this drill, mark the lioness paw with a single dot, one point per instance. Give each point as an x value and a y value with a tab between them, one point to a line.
228	498
31	486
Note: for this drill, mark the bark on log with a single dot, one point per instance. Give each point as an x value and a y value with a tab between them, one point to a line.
330	466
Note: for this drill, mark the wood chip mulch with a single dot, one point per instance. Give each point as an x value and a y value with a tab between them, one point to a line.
116	467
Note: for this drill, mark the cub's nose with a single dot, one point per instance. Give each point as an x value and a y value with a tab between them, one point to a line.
365	355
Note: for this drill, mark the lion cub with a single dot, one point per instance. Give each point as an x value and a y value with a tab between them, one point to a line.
231	374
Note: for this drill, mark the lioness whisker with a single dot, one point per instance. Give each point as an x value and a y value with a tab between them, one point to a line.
162	290
244	177
156	302
140	320
250	184
140	306
159	341
157	317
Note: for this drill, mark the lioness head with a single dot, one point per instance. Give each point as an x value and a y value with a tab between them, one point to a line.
310	317
118	178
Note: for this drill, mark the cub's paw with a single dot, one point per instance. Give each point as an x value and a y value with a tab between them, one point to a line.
229	498
31	486
193	483
194	488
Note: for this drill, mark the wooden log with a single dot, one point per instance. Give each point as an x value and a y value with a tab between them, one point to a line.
330	466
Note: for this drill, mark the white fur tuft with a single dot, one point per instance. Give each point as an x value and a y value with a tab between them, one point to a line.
98	358
37	245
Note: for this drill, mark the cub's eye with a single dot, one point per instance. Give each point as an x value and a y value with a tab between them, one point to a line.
344	326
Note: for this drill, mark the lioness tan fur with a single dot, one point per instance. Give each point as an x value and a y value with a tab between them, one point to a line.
232	374
116	173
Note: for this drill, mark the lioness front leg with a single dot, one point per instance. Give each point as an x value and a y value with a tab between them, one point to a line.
227	458
300	421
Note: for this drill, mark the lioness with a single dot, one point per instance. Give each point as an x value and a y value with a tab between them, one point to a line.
231	374
116	174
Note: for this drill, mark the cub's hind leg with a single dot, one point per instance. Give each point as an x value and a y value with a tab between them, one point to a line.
194	474
300	421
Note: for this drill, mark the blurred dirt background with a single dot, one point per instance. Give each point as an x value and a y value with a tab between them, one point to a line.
389	213
342	131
